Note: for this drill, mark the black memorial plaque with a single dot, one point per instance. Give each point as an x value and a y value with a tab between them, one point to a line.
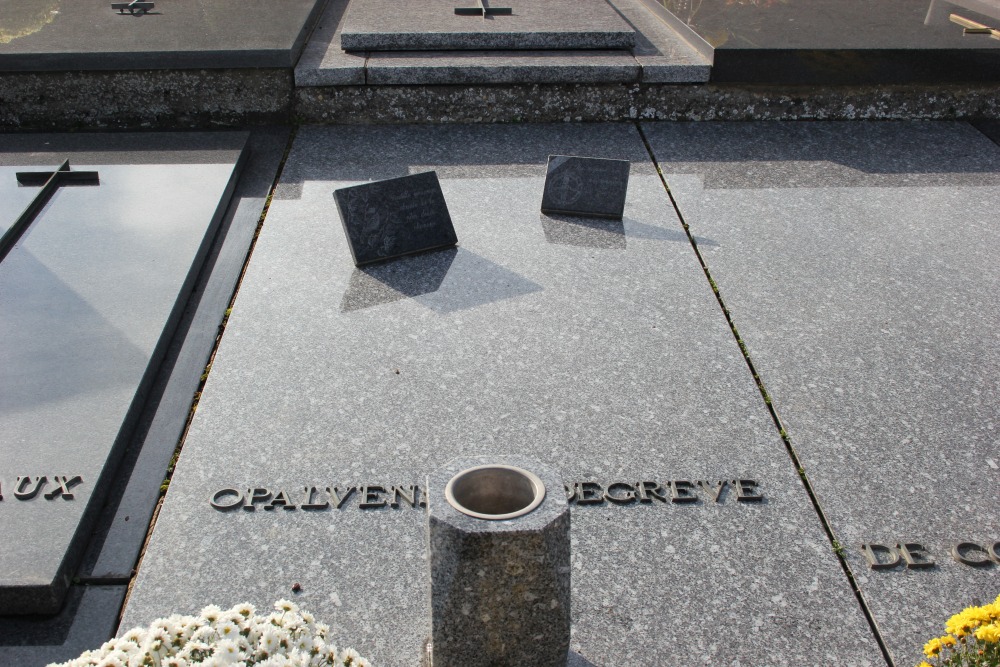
585	186
395	217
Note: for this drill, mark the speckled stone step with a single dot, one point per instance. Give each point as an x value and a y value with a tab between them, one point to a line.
659	55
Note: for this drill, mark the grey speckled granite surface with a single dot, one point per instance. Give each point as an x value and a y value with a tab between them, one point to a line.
598	350
859	261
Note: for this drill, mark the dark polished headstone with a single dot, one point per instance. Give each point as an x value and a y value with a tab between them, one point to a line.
395	217
90	295
585	186
62	35
843	41
383	25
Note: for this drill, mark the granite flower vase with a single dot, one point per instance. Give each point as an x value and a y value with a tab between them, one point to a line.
500	563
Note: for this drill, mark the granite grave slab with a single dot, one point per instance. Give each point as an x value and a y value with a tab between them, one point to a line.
858	261
380	25
91	293
611	364
47	35
843	41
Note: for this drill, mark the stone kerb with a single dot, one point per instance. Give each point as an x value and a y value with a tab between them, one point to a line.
500	589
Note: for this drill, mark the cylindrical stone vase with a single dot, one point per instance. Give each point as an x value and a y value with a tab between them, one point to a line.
498	532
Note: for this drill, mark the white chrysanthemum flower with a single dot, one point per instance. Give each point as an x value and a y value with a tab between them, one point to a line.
286	605
270	641
275	661
195	651
211	613
245	609
226	629
134	636
228	651
157	642
213	661
301	642
110	661
348	656
237	637
205	633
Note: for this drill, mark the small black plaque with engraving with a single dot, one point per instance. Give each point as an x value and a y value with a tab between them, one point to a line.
585	186
395	217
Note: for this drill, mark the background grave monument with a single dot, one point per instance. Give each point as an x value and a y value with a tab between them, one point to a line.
840	41
58	35
378	25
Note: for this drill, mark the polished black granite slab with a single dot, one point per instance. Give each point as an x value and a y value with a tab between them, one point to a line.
47	35
843	41
90	296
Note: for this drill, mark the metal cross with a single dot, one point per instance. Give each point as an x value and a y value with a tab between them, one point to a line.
50	182
132	7
971	27
484	10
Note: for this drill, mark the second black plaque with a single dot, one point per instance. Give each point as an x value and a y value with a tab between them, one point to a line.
585	186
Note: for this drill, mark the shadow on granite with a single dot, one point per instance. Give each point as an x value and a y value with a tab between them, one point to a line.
444	281
579	231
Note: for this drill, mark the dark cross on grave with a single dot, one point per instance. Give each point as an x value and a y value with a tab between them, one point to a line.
132	7
50	182
484	10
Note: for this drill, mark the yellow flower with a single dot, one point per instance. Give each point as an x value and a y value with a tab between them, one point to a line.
989	633
932	648
948	641
960	624
925	664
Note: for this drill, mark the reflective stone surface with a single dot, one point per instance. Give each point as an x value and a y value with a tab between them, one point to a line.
843	41
70	35
89	297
